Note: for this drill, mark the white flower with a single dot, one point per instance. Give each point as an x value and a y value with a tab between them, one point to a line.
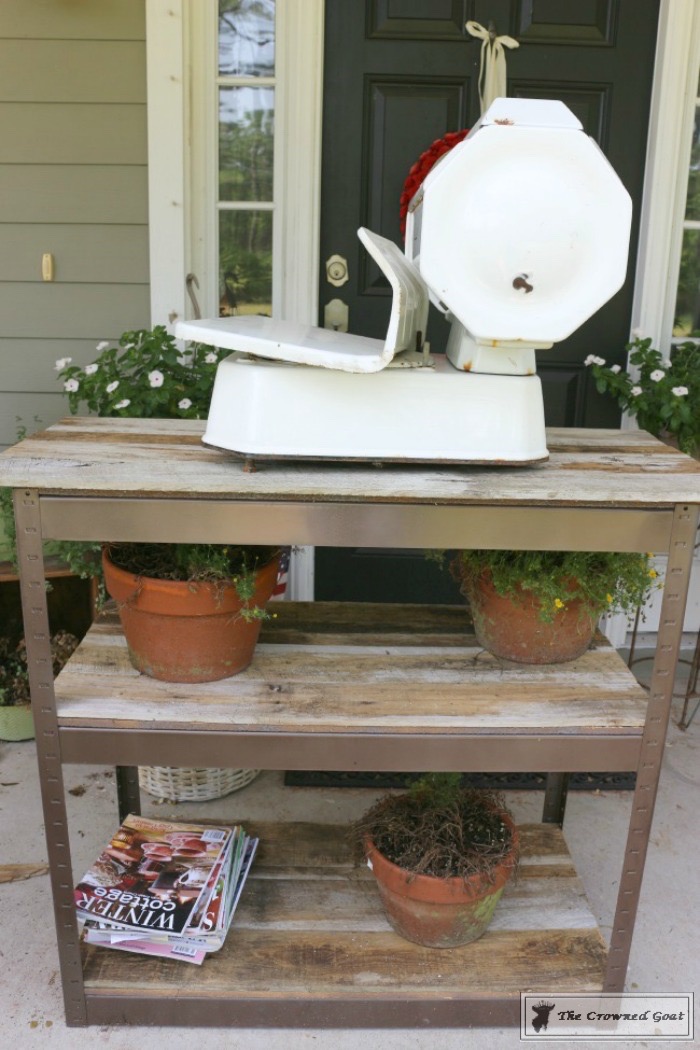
62	363
593	360
680	391
667	363
123	403
210	358
71	386
155	378
184	404
615	368
657	375
91	369
636	391
111	387
102	346
637	333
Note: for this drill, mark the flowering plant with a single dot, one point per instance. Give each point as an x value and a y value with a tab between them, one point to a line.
606	582
661	393
145	375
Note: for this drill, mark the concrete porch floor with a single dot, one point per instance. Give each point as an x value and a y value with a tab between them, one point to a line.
664	955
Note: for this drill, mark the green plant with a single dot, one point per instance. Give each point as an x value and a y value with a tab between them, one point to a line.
147	375
662	393
198	563
607	582
439	827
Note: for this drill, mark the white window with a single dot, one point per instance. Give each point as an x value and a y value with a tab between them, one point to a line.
234	126
234	164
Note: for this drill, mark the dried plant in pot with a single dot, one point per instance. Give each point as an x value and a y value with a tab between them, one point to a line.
190	612
441	855
540	607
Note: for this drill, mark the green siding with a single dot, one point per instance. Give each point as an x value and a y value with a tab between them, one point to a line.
90	254
73	182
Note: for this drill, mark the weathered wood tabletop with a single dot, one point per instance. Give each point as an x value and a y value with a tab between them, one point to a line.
166	458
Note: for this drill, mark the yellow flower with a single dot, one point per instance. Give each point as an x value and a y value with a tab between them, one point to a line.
558	603
609	598
653	573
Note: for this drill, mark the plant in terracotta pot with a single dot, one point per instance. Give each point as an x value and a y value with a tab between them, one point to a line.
190	612
441	854
660	391
16	722
540	607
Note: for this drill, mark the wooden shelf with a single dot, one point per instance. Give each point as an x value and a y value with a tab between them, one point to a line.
371	673
310	938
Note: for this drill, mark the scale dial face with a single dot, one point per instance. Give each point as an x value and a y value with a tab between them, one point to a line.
524	232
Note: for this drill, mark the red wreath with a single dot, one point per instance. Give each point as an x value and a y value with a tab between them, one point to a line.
421	168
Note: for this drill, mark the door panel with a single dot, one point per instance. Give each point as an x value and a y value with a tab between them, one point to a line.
400	74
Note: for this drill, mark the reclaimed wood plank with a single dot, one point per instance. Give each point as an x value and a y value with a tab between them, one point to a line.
166	458
339	682
543	935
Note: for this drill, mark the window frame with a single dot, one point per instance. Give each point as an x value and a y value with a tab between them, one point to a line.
183	227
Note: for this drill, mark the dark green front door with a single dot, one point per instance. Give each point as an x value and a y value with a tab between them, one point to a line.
400	74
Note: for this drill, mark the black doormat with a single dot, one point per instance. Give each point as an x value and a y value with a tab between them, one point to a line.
495	781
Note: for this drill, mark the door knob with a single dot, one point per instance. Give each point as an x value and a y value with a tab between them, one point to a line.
335	315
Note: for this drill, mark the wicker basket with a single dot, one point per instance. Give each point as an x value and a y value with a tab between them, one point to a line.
173	784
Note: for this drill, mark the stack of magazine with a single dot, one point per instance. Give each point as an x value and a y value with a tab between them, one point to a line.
165	889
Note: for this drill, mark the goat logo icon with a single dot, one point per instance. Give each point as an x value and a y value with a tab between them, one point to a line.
541	1019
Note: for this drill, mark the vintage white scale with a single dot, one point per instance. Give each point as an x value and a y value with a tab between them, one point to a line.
518	235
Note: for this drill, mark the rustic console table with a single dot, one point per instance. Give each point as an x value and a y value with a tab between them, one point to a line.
325	693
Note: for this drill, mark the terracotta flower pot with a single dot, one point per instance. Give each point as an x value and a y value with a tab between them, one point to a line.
183	632
435	912
511	627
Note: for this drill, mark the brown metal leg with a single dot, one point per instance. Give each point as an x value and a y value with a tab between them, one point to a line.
38	641
128	791
680	558
555	798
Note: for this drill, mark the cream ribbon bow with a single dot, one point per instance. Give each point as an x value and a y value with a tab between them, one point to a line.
492	68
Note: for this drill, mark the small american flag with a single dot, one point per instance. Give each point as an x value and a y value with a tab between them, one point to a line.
280	587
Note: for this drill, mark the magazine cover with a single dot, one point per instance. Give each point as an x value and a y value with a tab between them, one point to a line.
151	876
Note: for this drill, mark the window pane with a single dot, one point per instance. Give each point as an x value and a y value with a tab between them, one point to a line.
246	134
246	38
692	206
245	259
687	317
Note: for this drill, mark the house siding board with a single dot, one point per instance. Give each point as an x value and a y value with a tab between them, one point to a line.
29	410
73	182
81	311
68	20
94	193
72	70
72	133
85	253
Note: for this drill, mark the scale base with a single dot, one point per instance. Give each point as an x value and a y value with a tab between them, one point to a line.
264	409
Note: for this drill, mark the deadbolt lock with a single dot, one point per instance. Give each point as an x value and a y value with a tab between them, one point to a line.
337	270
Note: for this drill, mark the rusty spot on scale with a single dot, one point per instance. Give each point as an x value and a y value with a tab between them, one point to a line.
467	366
504	120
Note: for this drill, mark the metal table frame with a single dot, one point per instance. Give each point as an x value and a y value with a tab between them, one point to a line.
40	516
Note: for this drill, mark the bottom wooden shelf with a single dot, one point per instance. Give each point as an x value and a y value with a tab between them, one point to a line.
310	947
